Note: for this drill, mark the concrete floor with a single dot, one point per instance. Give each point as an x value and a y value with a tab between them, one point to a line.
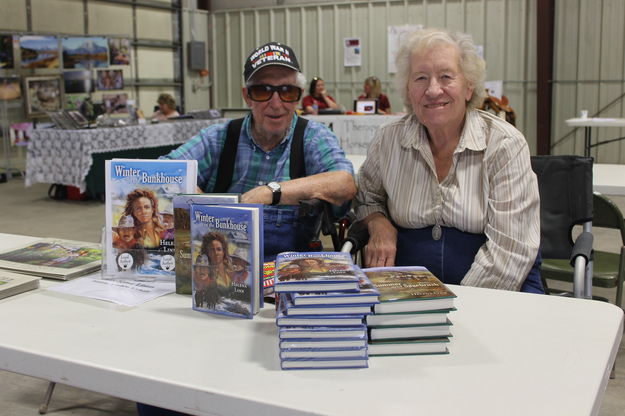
29	211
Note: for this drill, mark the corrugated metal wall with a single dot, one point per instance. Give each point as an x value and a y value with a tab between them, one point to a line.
505	28
589	71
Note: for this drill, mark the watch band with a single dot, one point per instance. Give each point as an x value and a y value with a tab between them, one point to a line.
276	192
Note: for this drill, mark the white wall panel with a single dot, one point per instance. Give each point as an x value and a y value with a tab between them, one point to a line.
154	24
316	32
13	15
109	19
66	16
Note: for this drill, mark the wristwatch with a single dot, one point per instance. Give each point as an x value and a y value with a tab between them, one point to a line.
277	192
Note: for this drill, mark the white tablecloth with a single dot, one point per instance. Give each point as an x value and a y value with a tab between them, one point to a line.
64	156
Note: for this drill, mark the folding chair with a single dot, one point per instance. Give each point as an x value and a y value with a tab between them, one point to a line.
608	268
565	185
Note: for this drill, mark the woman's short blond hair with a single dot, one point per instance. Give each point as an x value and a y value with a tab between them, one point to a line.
472	65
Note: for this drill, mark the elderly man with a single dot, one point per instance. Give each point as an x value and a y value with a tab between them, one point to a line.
272	156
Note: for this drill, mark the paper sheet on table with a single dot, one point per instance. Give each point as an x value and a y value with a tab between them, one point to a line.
122	292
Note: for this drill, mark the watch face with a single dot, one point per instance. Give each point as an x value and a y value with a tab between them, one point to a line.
274	186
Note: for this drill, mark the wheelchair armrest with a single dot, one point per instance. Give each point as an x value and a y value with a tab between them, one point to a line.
582	247
580	256
311	207
357	236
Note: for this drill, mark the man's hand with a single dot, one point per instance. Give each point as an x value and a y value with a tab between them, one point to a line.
382	246
259	195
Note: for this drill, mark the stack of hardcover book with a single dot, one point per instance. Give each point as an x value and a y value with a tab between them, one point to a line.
412	316
321	301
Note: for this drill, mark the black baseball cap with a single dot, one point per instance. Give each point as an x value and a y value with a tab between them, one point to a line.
272	53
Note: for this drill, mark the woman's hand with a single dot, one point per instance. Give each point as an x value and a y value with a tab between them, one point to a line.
382	246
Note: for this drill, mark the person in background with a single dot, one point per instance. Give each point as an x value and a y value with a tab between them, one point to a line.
318	98
450	187
373	90
167	107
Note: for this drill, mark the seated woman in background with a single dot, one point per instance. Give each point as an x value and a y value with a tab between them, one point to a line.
167	107
450	187
373	90
318	98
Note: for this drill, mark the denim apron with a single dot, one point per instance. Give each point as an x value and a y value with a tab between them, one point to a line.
450	257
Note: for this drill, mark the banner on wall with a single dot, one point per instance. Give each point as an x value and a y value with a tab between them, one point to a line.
352	52
395	36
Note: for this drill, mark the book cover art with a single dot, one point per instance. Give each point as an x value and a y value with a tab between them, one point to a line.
226	248
54	258
282	319
367	294
140	217
182	238
315	271
402	287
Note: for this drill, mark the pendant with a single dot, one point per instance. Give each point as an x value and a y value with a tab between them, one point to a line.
437	233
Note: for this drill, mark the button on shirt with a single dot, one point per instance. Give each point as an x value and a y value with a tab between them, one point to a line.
255	167
490	189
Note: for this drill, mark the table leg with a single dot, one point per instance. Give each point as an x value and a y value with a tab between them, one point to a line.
43	408
587	141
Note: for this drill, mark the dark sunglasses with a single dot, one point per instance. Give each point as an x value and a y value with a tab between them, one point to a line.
263	92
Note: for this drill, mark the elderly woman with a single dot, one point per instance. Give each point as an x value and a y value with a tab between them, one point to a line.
142	205
450	187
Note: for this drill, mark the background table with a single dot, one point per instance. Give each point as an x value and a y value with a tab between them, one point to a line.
511	354
590	122
355	132
66	156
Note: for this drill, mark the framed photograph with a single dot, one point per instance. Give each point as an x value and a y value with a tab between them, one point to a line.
115	103
78	82
110	79
91	52
119	51
75	101
6	52
10	88
43	94
39	52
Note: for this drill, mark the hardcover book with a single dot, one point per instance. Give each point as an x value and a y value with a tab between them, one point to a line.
408	318
409	346
323	363
309	353
319	320
14	283
325	332
182	238
140	216
227	253
322	344
409	289
324	271
368	295
53	258
293	310
410	331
